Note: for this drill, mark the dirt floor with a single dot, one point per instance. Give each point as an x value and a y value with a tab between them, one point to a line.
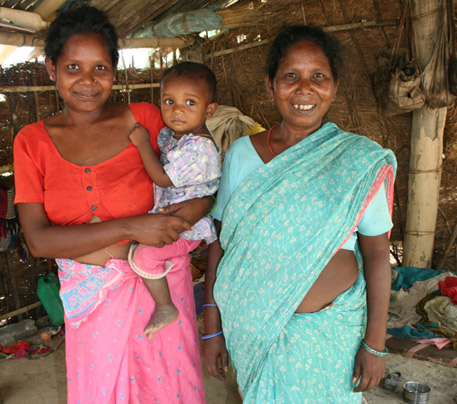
42	381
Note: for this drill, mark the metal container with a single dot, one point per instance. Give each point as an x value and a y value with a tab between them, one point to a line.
416	393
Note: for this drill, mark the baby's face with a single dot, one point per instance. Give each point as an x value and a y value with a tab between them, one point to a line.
185	103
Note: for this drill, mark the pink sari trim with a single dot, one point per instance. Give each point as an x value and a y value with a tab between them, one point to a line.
385	174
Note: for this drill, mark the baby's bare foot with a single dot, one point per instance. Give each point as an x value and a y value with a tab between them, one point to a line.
164	315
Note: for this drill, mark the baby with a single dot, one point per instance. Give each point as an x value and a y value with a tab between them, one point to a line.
189	167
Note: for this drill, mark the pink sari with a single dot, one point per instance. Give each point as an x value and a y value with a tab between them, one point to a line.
109	359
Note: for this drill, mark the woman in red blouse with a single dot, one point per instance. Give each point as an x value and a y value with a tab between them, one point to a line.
77	168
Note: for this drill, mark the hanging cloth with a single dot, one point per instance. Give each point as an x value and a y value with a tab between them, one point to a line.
436	78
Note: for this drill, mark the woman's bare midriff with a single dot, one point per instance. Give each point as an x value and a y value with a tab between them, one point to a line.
100	257
338	276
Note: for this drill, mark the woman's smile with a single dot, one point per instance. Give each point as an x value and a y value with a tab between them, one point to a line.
304	107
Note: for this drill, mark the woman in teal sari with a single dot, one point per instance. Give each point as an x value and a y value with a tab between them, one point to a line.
303	274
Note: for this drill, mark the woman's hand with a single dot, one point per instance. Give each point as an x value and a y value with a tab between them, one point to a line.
368	370
157	229
215	356
192	210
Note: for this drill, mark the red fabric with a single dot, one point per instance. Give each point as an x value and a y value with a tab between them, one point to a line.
120	186
19	350
448	287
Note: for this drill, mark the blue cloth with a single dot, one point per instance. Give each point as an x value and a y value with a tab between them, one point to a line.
280	228
243	159
408	275
420	332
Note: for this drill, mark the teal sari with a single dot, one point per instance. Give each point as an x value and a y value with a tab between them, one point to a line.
280	228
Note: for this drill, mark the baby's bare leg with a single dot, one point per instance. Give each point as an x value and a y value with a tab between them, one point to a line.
165	311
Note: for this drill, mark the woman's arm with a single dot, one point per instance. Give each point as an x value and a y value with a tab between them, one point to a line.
214	349
375	253
46	240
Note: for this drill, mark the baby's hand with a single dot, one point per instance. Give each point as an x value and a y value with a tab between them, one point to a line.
138	135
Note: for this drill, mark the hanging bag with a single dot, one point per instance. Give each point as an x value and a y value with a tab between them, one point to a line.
436	73
398	88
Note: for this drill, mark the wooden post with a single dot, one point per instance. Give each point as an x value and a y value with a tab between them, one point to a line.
36	98
12	276
13	108
151	73
426	147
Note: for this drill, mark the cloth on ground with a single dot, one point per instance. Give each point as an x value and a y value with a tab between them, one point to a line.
448	287
411	285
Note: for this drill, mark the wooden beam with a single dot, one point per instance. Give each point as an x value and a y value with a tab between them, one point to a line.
27	89
427	128
26	19
332	28
175	43
11	275
19	39
20	311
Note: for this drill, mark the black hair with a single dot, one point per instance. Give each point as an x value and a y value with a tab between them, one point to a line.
194	70
293	34
83	19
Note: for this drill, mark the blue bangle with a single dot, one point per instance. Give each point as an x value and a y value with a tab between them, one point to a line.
209	305
211	335
374	351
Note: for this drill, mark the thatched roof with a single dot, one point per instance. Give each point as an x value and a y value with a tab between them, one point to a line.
125	15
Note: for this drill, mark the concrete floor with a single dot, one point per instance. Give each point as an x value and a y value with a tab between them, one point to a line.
42	381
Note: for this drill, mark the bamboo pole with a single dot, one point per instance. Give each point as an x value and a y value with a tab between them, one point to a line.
151	71
20	39
20	311
12	277
36	100
427	129
13	108
22	18
449	246
332	28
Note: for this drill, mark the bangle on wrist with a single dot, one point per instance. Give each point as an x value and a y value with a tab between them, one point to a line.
214	205
209	305
374	351
212	335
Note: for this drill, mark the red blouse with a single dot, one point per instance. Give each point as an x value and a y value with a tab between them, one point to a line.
71	194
